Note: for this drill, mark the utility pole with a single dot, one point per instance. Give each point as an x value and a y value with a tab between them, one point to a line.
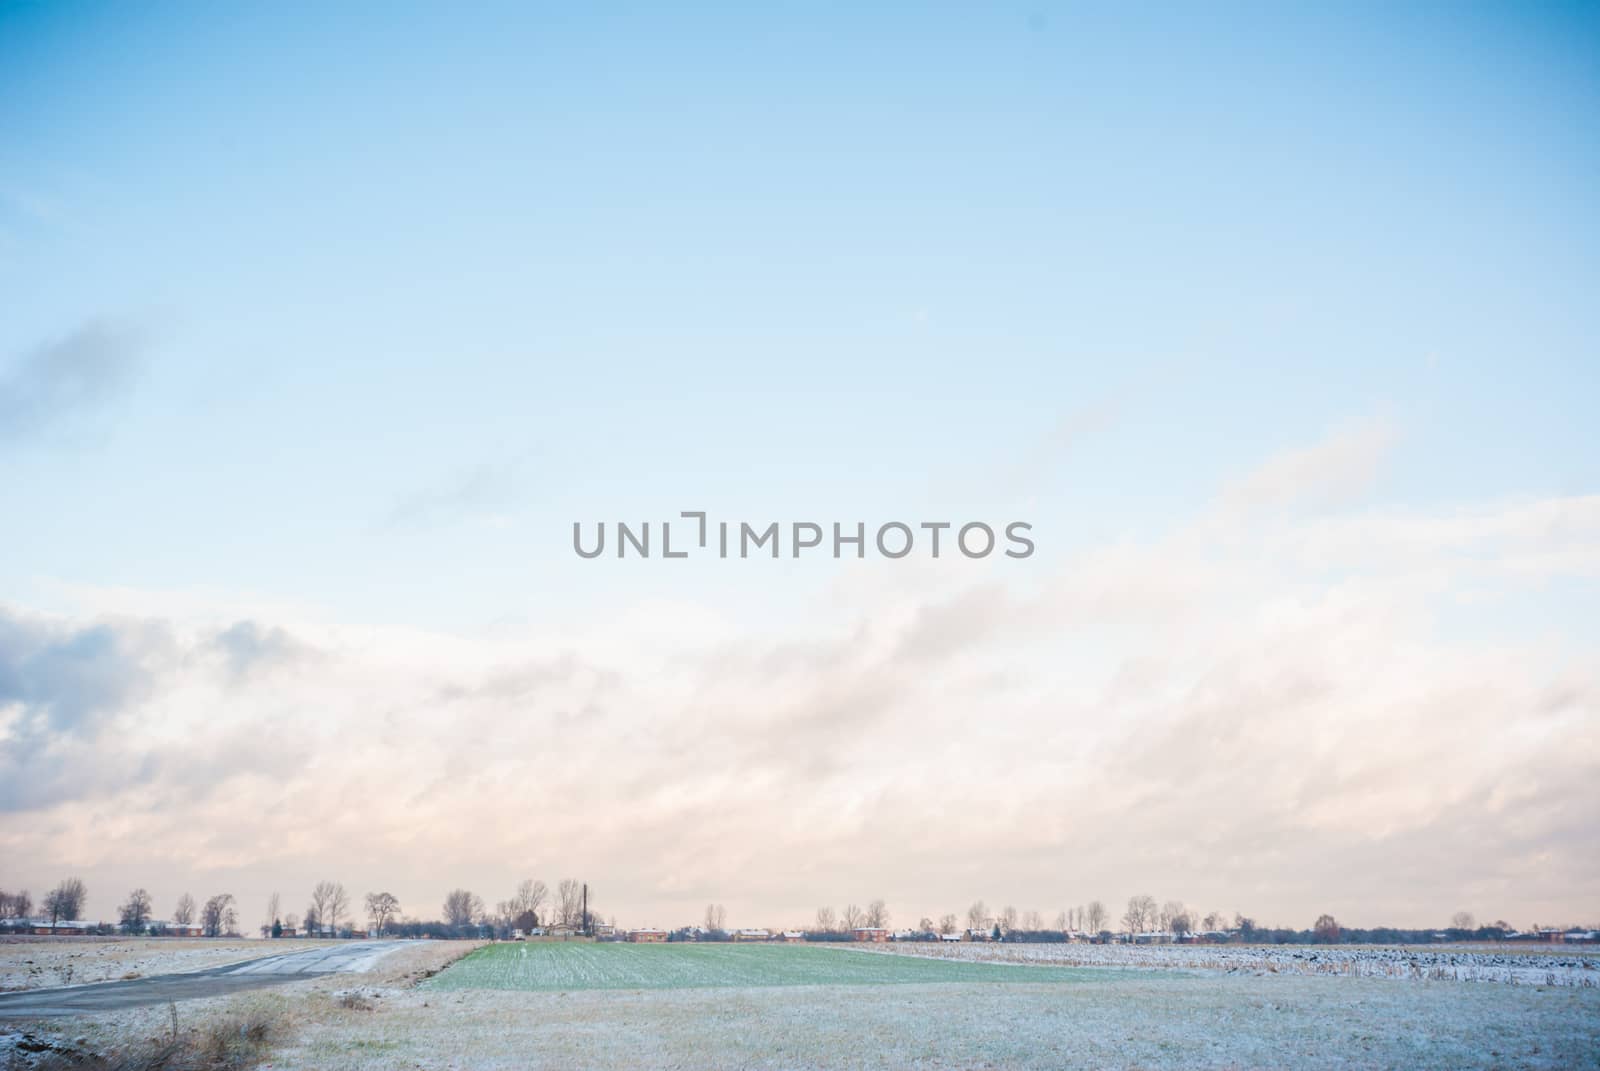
586	932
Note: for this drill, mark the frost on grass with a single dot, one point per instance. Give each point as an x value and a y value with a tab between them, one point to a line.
1458	964
1122	1019
57	961
578	965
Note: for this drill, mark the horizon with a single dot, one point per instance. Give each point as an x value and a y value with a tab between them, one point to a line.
321	332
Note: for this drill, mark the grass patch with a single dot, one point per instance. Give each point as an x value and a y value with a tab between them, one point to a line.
700	966
229	1044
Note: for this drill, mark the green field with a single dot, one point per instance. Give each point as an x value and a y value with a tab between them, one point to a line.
547	966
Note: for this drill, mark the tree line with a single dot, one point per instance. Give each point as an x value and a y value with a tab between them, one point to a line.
331	912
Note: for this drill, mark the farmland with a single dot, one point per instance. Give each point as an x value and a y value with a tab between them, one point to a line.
577	966
1536	965
51	961
722	1006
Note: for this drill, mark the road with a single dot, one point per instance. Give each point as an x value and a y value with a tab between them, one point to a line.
358	956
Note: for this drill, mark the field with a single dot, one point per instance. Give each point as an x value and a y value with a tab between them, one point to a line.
573	966
816	1009
1542	965
32	963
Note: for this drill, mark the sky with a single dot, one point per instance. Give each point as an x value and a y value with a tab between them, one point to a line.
320	328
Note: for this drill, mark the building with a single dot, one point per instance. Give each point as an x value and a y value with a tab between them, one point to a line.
875	934
949	937
751	935
647	936
793	937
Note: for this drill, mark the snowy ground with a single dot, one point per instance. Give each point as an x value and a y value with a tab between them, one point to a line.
580	965
1464	963
1122	1019
29	963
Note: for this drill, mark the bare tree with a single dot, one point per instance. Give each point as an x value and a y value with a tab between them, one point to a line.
1175	918
219	917
1008	919
17	905
826	920
1325	930
716	917
531	896
461	908
382	908
977	915
65	901
1032	920
569	903
947	924
338	905
1095	915
183	913
1061	921
1463	920
877	914
135	914
321	893
273	905
1140	914
852	916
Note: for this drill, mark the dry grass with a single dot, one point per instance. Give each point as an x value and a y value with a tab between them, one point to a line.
227	1043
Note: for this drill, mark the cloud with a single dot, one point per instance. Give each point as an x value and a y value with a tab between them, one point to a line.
60	687
1280	719
479	490
61	380
248	647
1341	464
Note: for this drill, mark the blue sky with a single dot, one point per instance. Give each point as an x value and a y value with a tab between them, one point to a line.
384	297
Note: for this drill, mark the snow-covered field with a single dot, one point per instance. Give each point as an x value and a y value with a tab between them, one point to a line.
1125	1019
579	965
1149	1019
29	963
1465	963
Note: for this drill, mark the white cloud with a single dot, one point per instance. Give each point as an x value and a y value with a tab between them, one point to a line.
1282	726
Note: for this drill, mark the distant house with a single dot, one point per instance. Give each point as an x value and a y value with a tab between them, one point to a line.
604	929
288	931
63	928
751	934
793	937
1583	937
647	936
949	937
875	934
